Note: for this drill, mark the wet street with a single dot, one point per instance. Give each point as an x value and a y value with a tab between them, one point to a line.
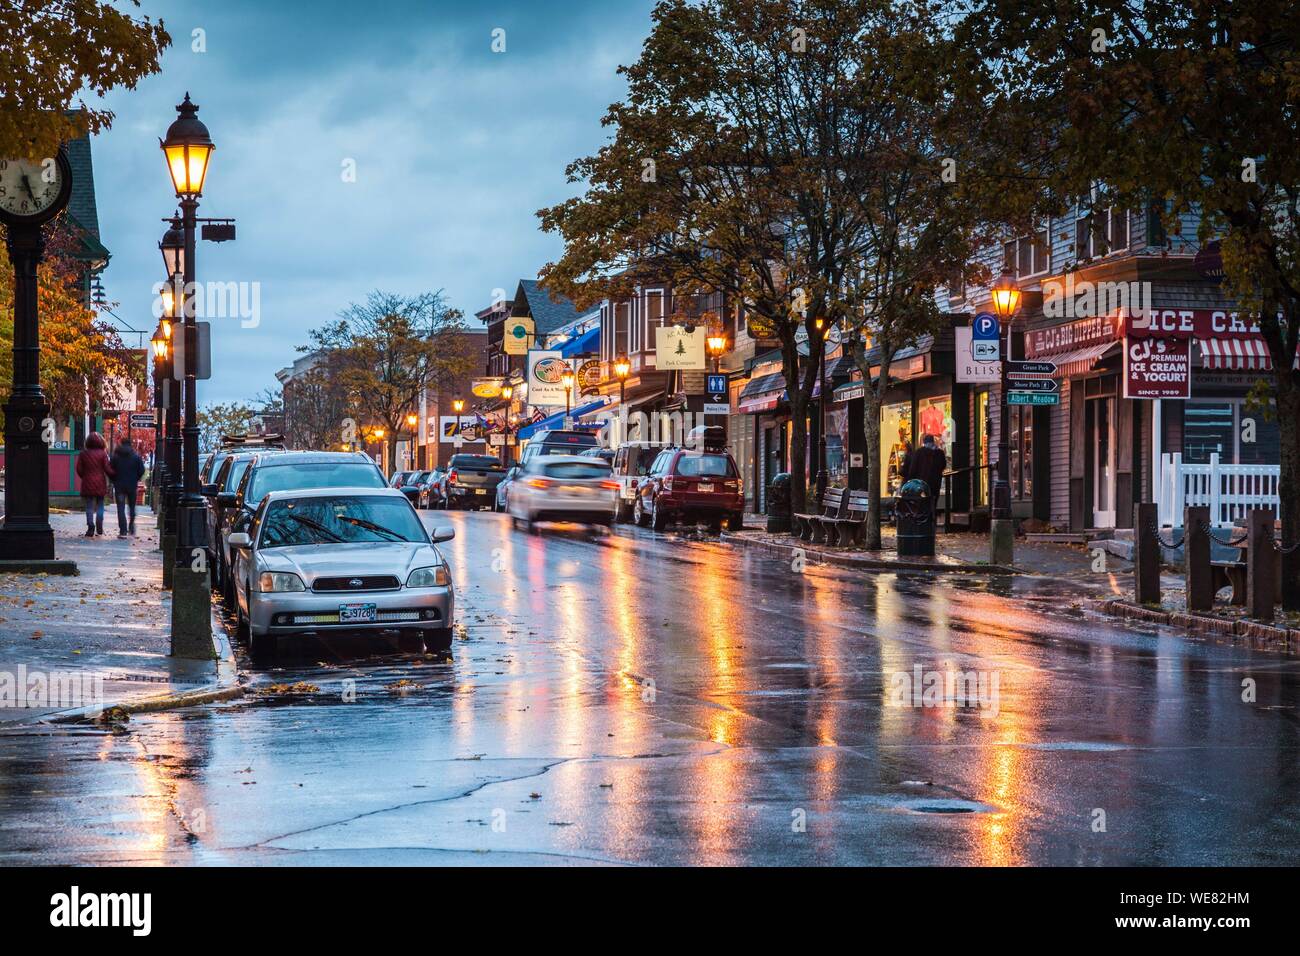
632	698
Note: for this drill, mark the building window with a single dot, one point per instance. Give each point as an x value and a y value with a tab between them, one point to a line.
1022	452
1105	229
1221	427
1028	256
654	316
895	443
622	322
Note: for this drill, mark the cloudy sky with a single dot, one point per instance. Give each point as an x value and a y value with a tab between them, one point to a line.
455	148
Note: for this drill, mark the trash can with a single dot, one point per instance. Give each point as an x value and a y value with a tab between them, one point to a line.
778	504
915	513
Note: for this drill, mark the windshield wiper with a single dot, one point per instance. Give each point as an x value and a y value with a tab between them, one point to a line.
371	526
316	526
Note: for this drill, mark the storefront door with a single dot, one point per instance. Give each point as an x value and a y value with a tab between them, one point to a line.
981	449
1101	412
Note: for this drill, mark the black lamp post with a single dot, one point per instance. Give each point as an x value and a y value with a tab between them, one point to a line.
187	148
172	247
1006	300
822	478
566	378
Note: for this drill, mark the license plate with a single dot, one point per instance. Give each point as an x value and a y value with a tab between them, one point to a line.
358	613
480	491
706	486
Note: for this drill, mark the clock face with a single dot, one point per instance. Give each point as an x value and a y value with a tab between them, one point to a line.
29	188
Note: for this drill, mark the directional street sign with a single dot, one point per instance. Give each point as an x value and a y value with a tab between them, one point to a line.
1033	398
1032	385
142	420
1020	367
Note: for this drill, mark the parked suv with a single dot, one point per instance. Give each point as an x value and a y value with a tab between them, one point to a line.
632	461
691	484
290	471
220	493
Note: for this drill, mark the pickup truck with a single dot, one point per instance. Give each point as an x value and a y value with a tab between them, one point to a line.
472	481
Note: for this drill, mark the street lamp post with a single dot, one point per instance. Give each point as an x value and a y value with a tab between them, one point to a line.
458	406
567	377
1006	301
172	247
160	342
622	368
187	149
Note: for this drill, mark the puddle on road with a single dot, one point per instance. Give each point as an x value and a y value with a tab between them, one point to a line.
1070	745
952	805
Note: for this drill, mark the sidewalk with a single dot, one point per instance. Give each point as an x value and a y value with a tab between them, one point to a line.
99	639
953	553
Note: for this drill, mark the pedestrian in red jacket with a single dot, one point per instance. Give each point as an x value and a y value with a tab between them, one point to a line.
94	469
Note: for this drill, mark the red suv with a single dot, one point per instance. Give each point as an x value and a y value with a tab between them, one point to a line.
690	485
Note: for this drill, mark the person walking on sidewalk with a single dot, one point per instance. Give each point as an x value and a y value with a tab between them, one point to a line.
128	469
928	464
94	469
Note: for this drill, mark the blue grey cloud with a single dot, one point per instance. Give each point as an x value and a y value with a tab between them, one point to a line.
455	149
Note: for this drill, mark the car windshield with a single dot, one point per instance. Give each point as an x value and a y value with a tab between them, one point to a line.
236	474
294	476
574	469
475	461
350	518
697	465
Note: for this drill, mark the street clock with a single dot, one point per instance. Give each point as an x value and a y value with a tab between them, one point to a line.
32	192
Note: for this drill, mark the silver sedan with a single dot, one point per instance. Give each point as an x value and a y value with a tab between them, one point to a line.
340	559
563	488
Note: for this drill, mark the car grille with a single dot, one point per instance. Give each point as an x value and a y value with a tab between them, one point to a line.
327	618
357	582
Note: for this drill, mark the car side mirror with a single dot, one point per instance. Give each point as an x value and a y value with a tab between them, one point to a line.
443	532
239	539
227	499
208	491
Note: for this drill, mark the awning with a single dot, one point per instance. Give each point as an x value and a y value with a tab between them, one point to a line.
1238	354
762	394
1077	361
847	393
585	343
557	420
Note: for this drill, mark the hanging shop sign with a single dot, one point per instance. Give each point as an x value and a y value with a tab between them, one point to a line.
486	387
517	335
1158	368
464	427
969	367
589	374
678	349
546	369
1072	335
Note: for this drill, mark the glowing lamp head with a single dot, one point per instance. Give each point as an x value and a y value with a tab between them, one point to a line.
378	433
168	302
458	405
187	147
567	378
1006	296
717	344
172	247
411	419
159	342
506	392
622	367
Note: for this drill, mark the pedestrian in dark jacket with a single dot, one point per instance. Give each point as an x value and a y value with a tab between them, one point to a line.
927	463
128	469
94	469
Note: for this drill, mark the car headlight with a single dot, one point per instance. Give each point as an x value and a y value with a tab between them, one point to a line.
268	582
436	577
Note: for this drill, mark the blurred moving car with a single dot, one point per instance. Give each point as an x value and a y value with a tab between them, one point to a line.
692	484
285	471
503	488
631	463
340	559
472	481
559	442
429	489
563	488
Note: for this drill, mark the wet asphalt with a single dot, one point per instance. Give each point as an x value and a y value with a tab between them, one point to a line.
632	698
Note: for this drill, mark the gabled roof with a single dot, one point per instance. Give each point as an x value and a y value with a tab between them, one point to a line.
548	312
82	210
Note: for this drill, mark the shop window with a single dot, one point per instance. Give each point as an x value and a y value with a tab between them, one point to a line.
895	443
935	418
1224	427
1022	452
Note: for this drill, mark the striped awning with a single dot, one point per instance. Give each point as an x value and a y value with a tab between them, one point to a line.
1077	361
1244	353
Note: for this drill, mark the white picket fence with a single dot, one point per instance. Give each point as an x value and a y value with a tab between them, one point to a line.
1228	489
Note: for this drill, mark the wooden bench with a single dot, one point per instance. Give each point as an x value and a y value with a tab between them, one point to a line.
810	527
851	529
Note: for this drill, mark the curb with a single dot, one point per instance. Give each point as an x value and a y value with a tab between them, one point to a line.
849	560
226	686
1256	632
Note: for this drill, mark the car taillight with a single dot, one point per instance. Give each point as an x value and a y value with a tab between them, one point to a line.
451	477
539	482
612	485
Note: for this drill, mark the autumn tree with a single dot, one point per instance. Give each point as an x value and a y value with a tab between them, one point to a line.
384	352
82	358
222	418
55	53
1192	105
